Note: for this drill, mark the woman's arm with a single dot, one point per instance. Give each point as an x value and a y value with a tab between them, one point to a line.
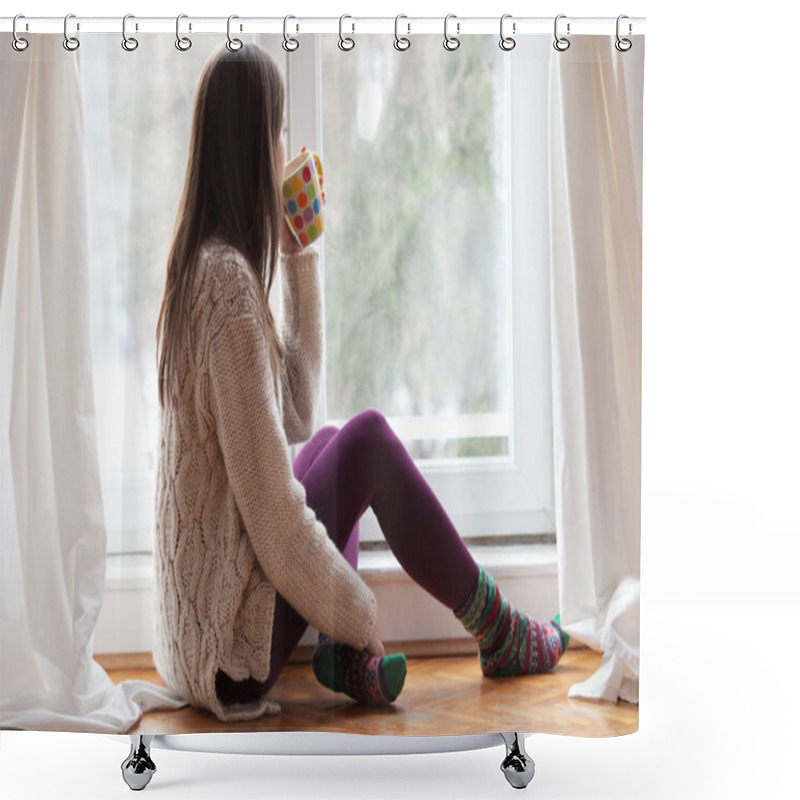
291	545
303	331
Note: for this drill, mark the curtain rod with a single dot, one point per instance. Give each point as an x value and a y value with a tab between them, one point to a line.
407	26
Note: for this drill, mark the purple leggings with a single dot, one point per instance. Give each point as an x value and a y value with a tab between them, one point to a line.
343	472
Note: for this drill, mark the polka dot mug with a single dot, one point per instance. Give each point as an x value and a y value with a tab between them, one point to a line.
303	197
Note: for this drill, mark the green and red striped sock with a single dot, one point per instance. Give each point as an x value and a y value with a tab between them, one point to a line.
509	642
359	674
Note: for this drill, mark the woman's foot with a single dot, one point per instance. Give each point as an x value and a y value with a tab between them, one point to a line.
360	675
509	642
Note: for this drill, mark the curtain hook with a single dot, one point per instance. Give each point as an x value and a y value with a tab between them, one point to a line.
401	42
290	44
506	42
561	43
183	43
18	43
233	44
451	42
342	39
128	42
623	45
71	42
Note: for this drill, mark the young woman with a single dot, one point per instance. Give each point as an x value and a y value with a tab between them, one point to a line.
250	547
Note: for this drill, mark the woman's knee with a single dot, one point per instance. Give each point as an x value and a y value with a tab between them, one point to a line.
325	434
365	440
371	424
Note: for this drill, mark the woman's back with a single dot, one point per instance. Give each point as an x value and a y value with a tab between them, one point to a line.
231	521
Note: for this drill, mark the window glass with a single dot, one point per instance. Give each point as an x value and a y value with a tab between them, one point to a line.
415	154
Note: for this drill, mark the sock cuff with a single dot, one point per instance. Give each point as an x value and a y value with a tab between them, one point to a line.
475	610
464	607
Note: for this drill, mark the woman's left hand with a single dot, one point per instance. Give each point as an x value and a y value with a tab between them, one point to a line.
375	645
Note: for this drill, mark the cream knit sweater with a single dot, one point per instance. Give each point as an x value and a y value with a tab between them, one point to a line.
232	524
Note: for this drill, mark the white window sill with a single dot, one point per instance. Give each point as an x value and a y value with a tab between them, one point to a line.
521	560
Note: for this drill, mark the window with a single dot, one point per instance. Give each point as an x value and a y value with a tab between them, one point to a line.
434	258
435	261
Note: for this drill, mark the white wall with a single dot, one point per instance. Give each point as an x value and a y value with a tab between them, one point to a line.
527	575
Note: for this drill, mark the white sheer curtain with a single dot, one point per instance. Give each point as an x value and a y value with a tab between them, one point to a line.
596	294
53	543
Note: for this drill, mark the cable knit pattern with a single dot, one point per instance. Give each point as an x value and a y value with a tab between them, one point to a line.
232	524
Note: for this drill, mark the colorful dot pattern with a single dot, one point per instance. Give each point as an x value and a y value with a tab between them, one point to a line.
301	202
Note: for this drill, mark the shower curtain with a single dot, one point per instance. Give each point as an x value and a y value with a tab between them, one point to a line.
481	264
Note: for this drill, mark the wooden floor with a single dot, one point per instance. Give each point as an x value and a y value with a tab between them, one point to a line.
441	696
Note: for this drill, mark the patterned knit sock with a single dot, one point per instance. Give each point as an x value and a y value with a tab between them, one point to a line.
509	642
360	675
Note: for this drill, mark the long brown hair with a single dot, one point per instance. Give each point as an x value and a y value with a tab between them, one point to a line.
232	189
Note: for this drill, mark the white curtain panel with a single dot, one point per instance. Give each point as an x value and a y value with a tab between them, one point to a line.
596	294
53	533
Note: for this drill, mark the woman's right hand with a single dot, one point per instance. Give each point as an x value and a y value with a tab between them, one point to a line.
375	645
288	243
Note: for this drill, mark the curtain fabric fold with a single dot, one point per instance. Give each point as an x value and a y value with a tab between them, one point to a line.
596	292
53	532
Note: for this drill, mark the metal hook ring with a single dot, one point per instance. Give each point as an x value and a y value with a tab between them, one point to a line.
233	44
623	45
346	42
128	42
183	43
561	43
70	42
401	42
290	44
451	42
507	42
18	43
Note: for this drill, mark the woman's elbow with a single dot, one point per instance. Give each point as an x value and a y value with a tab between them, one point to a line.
301	425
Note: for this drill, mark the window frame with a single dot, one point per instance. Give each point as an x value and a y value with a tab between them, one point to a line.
125	622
